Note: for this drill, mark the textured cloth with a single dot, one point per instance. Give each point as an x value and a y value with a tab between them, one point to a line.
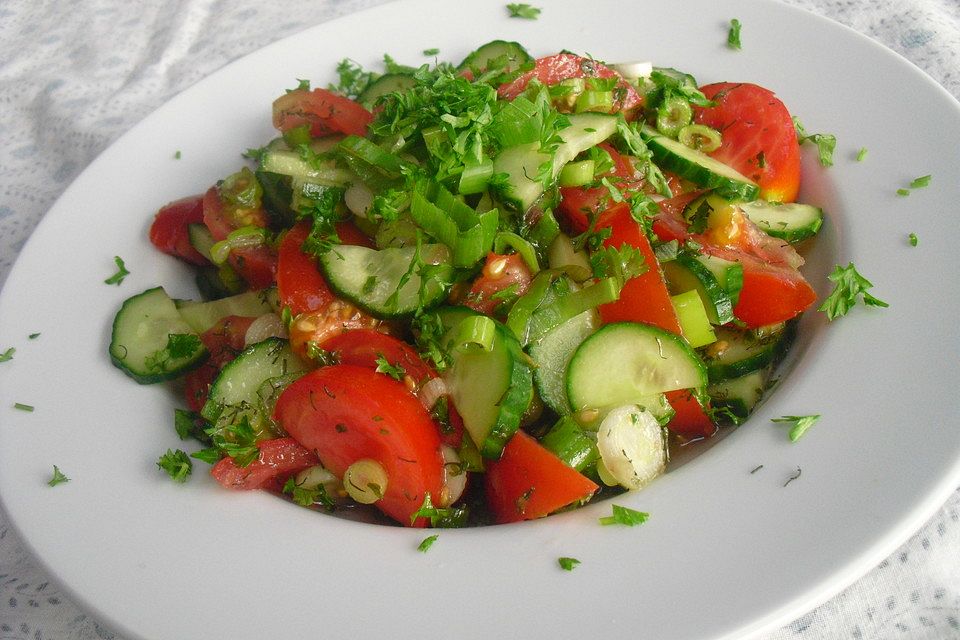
75	76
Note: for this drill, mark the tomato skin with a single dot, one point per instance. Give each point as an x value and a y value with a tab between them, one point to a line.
347	413
551	70
323	111
499	273
225	340
754	121
530	482
363	347
579	204
256	265
169	232
770	293
690	418
279	459
300	285
349	233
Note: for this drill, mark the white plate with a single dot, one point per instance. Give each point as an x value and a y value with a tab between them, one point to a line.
726	552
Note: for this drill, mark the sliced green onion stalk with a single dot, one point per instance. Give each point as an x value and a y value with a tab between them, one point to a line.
243	237
545	230
591	100
518	320
370	153
365	481
700	137
562	254
694	323
577	174
475	331
475	177
568	441
673	114
572	304
506	239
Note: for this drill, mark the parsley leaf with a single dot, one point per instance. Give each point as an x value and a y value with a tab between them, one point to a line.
913	239
308	496
23	407
427	543
568	564
353	79
431	52
440	517
849	285
523	10
622	263
121	273
826	142
800	424
922	181
394	371
8	354
179	345
862	154
57	478
733	36
625	516
177	464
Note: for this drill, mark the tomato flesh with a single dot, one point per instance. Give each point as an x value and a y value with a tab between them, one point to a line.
279	459
225	340
170	229
300	285
500	272
323	111
346	413
530	482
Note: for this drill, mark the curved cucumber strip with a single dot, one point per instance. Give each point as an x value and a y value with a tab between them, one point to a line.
390	282
202	316
625	362
491	389
512	52
791	221
743	352
552	355
687	273
738	396
385	84
699	168
151	342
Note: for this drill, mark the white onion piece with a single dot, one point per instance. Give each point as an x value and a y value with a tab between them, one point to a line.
454	477
365	481
632	447
431	391
269	325
358	199
633	70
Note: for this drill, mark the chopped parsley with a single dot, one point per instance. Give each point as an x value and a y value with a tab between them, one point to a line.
849	285
800	424
177	155
568	564
523	10
177	464
793	477
121	273
903	192
913	239
733	36
427	543
8	354
57	477
23	407
179	346
33	336
394	371
625	516
920	182
431	52
862	154
308	496
623	264
826	142
440	517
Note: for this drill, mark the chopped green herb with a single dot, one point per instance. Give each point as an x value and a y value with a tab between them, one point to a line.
922	181
568	564
177	464
523	10
756	468
862	154
383	366
427	543
431	52
353	79
8	354
826	142
177	155
302	85
446	517
625	516
849	285
33	336
57	478
903	192
622	263
23	407
793	477
913	239
121	273
733	36
307	497
800	424
179	345
210	455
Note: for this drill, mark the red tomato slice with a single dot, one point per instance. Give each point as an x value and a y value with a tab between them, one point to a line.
256	265
500	272
644	298
348	233
529	482
300	285
224	341
552	70
578	204
759	139
690	419
169	232
347	413
279	459
323	111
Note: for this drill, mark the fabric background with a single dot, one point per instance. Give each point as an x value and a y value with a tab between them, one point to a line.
75	76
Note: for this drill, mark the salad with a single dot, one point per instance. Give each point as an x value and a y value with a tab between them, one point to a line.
480	293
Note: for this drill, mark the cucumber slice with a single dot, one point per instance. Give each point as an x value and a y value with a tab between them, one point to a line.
290	163
388	283
151	342
249	384
202	316
792	221
552	354
699	168
744	352
687	273
491	389
522	162
385	84
626	362
513	52
737	397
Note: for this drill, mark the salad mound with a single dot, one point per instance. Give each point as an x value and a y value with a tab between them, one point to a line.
481	293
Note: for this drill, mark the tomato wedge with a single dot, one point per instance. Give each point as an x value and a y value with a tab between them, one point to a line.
690	418
530	482
500	272
300	285
346	413
579	204
224	341
323	111
170	233
279	459
554	69
365	348
759	138
256	265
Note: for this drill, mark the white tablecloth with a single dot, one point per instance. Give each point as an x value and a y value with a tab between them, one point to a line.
75	76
